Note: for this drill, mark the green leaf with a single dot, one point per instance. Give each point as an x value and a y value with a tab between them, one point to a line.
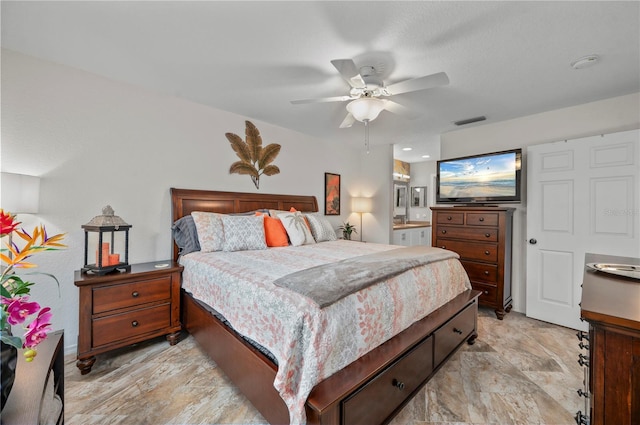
11	340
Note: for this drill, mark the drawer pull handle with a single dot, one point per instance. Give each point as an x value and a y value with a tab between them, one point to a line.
398	384
486	272
449	218
481	219
486	253
135	294
134	323
487	235
443	247
458	331
444	232
486	292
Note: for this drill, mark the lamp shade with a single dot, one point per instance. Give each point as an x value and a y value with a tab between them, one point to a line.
366	108
20	193
361	205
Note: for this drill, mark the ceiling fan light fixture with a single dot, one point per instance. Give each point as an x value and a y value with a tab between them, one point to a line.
366	108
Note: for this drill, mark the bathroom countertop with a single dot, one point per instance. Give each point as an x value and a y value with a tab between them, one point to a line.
411	225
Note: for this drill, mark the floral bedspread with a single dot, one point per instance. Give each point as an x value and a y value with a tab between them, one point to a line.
311	343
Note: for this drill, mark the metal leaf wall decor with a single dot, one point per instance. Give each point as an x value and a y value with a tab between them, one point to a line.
255	160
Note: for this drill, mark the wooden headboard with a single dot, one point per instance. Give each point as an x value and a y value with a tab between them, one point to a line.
185	201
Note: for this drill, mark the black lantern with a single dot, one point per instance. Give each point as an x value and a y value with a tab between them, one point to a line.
111	244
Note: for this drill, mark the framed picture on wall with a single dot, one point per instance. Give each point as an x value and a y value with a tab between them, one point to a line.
331	194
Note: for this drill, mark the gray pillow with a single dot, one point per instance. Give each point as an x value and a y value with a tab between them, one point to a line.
185	234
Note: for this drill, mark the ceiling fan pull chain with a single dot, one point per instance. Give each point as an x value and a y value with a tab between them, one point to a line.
366	134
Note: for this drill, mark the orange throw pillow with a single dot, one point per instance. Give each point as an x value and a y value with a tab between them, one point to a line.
274	232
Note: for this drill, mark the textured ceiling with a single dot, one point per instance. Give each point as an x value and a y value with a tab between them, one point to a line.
503	59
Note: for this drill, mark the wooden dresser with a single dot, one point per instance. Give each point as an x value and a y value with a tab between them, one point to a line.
611	306
482	238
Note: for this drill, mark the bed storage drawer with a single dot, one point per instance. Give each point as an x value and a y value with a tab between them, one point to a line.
452	333
390	388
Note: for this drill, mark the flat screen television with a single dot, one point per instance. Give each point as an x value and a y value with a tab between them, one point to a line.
489	178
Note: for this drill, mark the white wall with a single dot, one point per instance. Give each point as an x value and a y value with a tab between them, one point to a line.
95	142
605	116
421	175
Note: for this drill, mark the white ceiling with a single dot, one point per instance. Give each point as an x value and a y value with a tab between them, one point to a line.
503	59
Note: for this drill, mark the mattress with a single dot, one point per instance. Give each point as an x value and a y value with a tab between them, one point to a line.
311	343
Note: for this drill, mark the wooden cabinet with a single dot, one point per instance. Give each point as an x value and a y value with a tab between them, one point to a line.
482	237
122	308
37	395
610	306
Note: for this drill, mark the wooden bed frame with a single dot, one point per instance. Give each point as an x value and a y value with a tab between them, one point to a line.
371	390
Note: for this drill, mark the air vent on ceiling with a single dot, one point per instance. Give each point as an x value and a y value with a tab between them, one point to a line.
470	120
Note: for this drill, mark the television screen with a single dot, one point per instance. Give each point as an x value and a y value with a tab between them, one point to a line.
486	178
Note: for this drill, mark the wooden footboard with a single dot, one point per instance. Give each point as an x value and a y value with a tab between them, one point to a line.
371	390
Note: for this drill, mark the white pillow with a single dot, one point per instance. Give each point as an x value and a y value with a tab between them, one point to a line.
210	230
243	233
297	229
321	229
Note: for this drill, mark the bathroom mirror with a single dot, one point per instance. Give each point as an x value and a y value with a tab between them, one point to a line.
419	196
400	194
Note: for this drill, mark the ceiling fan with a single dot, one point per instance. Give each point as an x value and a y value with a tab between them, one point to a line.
368	92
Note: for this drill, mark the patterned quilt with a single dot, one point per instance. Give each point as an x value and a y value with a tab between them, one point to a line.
309	342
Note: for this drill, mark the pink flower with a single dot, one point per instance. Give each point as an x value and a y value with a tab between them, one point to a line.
19	309
37	330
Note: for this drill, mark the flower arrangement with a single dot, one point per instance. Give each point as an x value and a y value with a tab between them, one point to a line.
16	306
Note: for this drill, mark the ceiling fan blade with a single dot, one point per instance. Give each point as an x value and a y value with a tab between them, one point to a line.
420	83
323	100
348	121
399	109
348	70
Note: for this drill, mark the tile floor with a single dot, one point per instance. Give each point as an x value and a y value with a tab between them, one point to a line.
520	371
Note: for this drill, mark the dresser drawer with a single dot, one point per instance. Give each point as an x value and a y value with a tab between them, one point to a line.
122	326
450	218
109	298
489	292
470	250
481	272
452	333
482	219
381	396
468	233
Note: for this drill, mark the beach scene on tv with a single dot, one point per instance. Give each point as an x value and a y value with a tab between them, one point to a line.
485	176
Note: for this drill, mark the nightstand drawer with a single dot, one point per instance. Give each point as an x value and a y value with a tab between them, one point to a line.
122	326
468	233
470	250
109	298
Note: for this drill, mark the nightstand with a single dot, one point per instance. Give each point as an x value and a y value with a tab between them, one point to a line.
122	308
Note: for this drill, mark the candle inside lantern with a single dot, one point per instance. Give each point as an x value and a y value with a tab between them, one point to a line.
114	259
105	256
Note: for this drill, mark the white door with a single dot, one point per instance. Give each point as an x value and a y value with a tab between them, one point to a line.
583	196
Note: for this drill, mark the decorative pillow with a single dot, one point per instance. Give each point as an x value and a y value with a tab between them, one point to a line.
297	229
185	235
242	233
274	232
321	229
210	230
